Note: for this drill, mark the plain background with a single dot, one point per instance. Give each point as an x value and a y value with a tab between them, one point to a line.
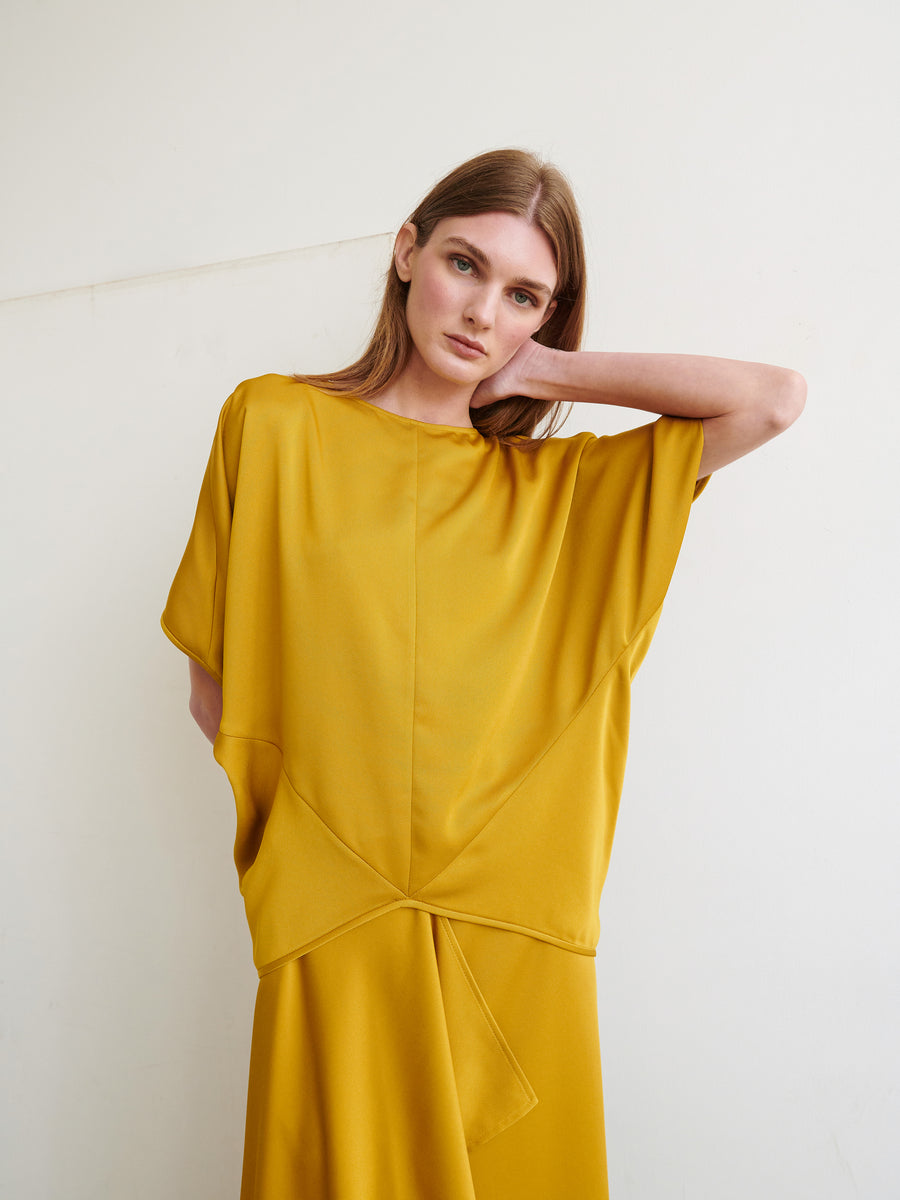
737	168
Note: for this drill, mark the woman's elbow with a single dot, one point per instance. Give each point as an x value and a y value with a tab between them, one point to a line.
205	703
206	718
787	400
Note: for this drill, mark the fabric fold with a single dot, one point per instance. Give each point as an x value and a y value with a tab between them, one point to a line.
493	1090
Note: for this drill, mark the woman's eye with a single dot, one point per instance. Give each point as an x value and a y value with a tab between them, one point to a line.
523	298
461	264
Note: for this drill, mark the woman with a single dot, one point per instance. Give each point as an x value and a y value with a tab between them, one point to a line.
412	628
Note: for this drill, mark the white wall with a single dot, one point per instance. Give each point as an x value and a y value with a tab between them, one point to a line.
737	169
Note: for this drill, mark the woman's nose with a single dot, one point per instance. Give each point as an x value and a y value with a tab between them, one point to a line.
481	309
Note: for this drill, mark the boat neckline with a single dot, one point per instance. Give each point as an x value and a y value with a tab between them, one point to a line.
467	430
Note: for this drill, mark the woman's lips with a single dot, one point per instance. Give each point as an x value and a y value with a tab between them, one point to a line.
466	346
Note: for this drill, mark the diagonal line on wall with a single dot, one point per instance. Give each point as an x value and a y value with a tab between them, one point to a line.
189	272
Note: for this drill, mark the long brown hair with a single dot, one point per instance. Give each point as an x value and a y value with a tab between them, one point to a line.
512	181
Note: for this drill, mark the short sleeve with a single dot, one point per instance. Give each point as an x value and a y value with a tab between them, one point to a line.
629	512
194	616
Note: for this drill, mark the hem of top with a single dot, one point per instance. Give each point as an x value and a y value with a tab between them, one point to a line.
179	644
438	910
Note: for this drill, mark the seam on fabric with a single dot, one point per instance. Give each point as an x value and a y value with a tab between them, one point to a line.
380	910
415	664
588	698
337	837
550	939
249	737
371	914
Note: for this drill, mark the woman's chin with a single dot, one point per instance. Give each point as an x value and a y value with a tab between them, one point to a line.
457	372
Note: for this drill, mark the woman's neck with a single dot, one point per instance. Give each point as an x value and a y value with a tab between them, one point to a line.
420	394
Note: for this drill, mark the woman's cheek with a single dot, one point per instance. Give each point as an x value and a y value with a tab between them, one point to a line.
436	293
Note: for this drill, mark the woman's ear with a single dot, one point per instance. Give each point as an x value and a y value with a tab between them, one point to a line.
404	245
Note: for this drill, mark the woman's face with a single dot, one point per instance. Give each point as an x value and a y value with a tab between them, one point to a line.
478	289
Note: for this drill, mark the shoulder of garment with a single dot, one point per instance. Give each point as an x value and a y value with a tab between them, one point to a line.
277	402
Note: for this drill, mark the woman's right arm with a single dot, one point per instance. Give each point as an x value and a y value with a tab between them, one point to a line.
742	404
206	700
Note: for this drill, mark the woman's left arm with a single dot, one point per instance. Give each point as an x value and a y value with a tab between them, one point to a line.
206	700
742	404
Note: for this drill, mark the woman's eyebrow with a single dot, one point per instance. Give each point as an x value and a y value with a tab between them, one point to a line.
482	259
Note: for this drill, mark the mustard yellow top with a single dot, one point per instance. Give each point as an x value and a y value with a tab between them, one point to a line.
426	641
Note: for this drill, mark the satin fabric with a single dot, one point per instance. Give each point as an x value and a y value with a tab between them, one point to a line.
357	1090
426	642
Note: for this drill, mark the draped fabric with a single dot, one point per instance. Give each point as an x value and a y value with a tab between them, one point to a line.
426	642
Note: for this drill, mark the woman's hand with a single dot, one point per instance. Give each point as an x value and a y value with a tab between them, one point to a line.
513	379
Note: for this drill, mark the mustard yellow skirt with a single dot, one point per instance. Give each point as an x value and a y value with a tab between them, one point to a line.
416	1058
